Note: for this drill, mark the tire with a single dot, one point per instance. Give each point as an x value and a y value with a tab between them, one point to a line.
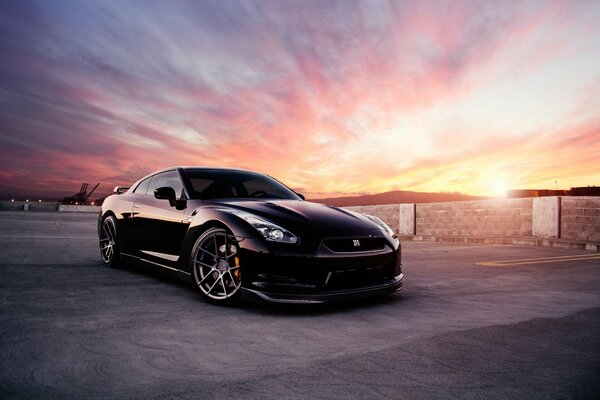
216	266
110	252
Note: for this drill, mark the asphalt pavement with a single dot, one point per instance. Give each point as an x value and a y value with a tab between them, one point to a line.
474	321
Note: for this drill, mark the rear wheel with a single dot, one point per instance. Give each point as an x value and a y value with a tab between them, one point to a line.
216	266
109	244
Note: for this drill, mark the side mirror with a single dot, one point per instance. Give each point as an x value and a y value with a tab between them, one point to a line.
166	193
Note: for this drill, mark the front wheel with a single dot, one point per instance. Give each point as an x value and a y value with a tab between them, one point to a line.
109	243
216	266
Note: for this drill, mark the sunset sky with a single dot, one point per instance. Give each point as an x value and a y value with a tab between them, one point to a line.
331	97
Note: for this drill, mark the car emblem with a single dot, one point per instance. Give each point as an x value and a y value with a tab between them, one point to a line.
356	242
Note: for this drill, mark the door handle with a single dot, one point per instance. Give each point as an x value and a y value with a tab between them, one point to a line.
136	205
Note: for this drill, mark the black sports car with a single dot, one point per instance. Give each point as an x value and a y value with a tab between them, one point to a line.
238	233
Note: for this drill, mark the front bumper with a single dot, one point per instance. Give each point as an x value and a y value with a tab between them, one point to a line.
294	275
392	286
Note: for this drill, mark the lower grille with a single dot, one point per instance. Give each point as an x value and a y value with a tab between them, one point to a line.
351	278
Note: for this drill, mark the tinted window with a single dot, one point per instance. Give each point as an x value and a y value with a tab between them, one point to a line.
166	179
142	187
224	184
256	186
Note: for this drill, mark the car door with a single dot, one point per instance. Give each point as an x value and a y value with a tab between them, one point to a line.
129	238
158	227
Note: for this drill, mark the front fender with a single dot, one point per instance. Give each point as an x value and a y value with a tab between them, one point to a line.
247	236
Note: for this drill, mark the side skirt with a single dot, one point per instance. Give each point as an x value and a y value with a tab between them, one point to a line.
177	273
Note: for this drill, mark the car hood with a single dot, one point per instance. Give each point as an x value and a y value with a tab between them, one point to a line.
303	216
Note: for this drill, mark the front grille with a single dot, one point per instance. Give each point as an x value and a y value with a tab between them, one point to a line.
353	245
328	280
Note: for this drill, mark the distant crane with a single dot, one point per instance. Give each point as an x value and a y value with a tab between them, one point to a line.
82	196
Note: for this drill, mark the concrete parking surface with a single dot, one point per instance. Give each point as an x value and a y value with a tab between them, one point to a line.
474	321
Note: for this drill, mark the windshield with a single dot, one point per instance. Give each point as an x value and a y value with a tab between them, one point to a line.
228	184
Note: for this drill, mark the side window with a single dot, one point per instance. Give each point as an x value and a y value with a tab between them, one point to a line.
169	178
143	186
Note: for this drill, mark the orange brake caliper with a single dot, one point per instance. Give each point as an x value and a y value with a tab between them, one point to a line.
236	273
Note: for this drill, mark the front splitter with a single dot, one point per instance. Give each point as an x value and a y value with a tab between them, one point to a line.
391	286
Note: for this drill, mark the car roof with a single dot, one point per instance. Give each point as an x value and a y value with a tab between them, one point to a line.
173	168
200	167
192	167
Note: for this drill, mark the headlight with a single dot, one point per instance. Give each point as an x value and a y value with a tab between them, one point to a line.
268	230
381	224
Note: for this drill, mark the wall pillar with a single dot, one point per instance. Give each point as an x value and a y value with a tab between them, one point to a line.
546	217
407	219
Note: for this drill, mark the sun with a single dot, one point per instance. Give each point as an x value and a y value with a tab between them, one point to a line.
499	188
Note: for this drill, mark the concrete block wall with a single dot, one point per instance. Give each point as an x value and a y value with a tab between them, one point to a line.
570	218
580	218
482	218
388	213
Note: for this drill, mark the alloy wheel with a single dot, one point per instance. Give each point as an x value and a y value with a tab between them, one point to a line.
108	240
216	265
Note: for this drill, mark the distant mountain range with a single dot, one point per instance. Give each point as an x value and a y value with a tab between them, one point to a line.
396	197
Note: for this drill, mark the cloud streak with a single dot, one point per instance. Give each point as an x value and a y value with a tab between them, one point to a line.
331	97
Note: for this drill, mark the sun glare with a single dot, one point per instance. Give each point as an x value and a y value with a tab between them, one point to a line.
499	188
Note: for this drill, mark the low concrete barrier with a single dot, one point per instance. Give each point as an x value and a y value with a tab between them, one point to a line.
523	220
562	218
7	205
580	218
73	208
491	218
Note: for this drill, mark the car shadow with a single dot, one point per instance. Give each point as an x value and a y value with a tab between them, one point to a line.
156	274
302	310
272	309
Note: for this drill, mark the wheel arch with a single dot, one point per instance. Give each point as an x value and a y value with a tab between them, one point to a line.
192	235
105	214
211	218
